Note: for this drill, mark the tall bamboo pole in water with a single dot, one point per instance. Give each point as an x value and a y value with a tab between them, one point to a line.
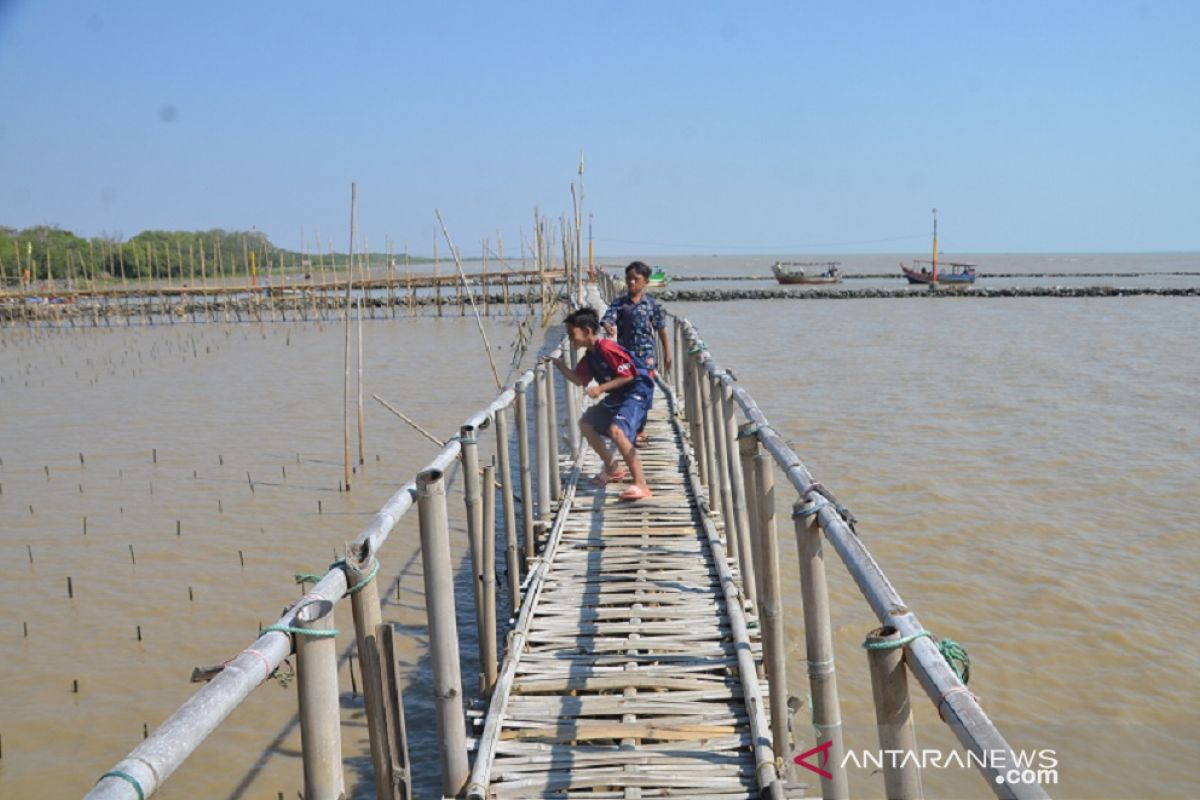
346	380
361	458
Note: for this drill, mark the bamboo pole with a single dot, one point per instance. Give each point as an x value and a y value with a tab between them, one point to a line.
320	709
552	435
818	640
487	639
512	559
737	483
443	629
394	709
542	426
522	414
708	442
719	448
346	379
747	445
772	607
471	499
893	713
364	603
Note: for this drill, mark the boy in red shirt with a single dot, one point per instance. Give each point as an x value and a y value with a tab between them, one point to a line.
628	392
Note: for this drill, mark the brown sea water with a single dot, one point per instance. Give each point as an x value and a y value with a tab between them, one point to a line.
1024	470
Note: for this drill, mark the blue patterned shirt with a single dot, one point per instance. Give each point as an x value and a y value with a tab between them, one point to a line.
636	325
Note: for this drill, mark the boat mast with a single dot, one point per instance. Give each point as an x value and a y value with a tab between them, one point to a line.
934	246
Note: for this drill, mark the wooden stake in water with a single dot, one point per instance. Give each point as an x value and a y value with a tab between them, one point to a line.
346	379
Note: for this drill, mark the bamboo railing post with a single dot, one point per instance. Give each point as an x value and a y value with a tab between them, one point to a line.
818	639
680	358
511	558
722	463
471	499
320	708
772	605
443	630
542	426
893	713
736	483
487	579
552	434
695	414
523	461
747	448
364	603
394	709
574	437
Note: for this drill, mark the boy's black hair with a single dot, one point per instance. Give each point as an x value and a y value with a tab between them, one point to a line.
584	317
639	267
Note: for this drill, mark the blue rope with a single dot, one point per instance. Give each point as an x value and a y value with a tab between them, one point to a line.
314	633
312	577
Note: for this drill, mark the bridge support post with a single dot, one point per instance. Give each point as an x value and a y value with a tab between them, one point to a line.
713	484
818	639
772	605
511	558
487	577
736	482
364	604
542	426
320	709
573	398
721	459
695	415
475	535
520	409
443	630
747	448
893	714
552	433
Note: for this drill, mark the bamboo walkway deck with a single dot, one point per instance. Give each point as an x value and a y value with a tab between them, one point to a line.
628	684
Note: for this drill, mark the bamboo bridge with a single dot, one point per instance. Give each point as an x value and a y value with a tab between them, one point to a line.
645	657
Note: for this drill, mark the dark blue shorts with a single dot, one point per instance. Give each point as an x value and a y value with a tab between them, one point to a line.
628	412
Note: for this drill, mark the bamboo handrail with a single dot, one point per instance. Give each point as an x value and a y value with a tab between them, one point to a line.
955	704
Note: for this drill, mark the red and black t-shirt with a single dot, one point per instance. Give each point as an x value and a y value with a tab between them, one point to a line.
609	361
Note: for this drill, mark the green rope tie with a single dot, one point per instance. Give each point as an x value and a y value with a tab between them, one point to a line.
125	776
315	633
753	431
312	577
700	347
954	653
813	507
463	439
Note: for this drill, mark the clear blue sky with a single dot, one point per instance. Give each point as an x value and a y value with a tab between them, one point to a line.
707	128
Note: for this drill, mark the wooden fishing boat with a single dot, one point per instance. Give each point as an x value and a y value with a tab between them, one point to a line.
658	279
791	272
926	272
930	272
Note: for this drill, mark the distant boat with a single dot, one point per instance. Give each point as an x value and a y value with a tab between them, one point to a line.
788	272
657	279
959	274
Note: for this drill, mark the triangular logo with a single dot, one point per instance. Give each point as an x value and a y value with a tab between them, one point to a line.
823	749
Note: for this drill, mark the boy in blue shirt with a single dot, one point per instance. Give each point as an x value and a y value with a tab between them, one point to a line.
633	318
627	389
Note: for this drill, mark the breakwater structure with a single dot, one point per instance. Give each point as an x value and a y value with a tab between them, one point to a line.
645	656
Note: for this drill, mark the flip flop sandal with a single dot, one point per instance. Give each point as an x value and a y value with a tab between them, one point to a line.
635	493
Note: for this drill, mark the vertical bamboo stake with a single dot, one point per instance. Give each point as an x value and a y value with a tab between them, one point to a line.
747	448
542	426
718	446
522	414
772	606
712	485
364	603
552	435
512	560
893	713
818	639
361	457
471	499
443	630
700	442
393	701
574	436
320	711
437	282
346	380
737	483
487	640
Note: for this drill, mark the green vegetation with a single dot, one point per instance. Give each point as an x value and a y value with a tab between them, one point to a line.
35	254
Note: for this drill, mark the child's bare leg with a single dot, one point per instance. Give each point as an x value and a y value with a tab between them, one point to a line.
597	442
629	453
